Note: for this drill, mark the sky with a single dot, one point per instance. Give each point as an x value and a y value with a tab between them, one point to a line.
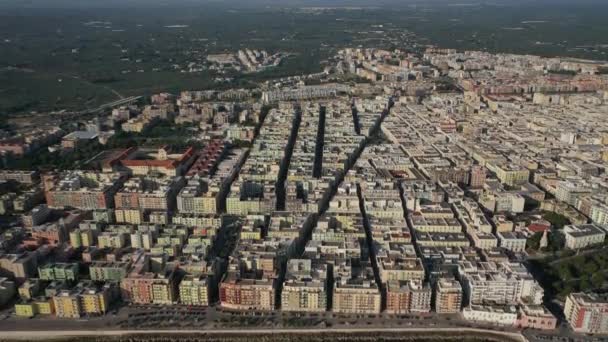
328	3
22	6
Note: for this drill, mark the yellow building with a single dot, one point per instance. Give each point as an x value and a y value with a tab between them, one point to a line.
512	175
204	205
82	238
81	300
162	293
193	291
94	301
132	216
75	239
251	235
209	205
67	304
356	298
29	289
31	308
401	269
26	309
234	206
137	124
111	240
44	306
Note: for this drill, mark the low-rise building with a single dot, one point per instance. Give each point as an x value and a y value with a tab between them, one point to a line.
583	235
536	317
34	307
500	315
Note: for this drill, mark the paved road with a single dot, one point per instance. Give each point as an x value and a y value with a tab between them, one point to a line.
43	335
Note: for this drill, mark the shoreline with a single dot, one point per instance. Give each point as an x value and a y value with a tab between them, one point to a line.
396	334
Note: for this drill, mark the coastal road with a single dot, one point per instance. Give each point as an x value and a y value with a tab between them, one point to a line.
46	335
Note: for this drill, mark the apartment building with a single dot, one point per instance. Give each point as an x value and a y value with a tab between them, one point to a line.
194	290
305	288
496	284
583	235
105	271
19	266
356	296
499	315
587	312
404	297
149	288
149	193
247	293
513	241
401	269
81	189
448	296
198	197
512	174
59	271
84	299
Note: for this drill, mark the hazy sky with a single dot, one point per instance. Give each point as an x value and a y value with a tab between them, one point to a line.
120	3
24	5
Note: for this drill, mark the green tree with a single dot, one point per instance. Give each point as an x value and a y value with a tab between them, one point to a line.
598	279
558	221
533	242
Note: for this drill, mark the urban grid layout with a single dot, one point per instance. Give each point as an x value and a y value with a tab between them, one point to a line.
439	189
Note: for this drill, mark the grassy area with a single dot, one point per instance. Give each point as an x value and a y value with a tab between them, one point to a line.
46	91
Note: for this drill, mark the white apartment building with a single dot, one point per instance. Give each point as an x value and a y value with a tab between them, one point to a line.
584	235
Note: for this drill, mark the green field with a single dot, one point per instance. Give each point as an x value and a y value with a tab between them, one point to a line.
102	53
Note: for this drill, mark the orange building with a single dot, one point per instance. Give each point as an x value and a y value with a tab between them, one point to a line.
247	294
143	161
448	298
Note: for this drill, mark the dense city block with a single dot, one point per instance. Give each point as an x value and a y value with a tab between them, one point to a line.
458	184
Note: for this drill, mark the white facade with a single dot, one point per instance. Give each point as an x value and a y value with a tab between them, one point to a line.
581	236
506	315
513	241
